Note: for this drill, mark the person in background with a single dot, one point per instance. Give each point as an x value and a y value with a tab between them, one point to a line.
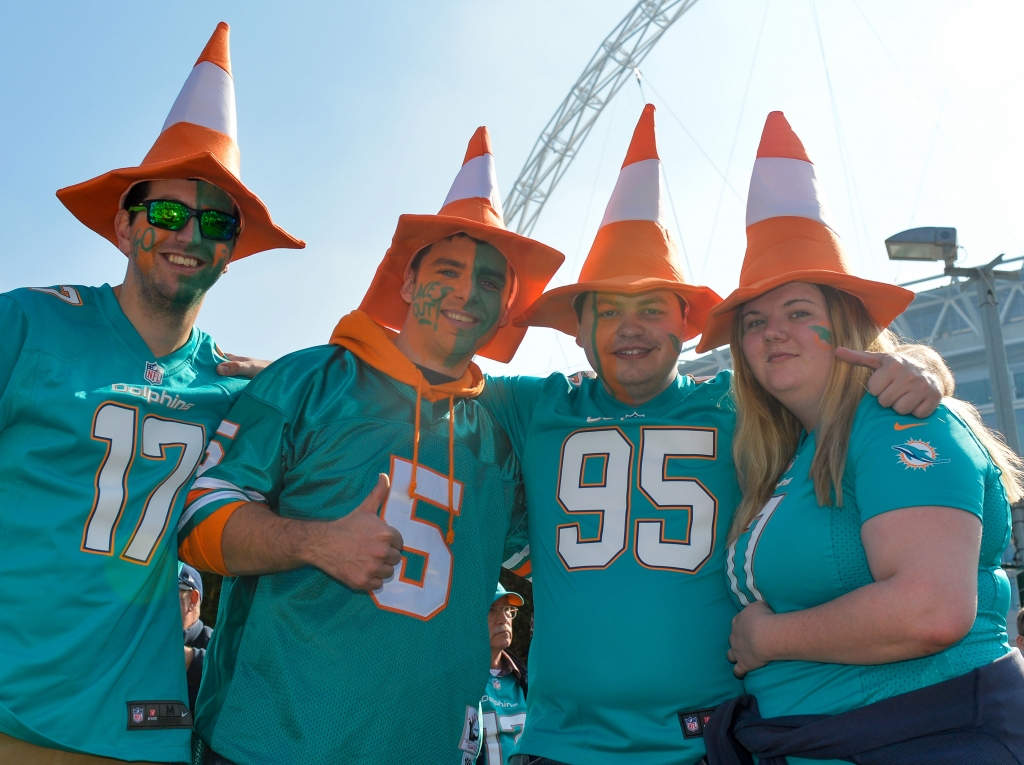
196	634
503	705
1020	629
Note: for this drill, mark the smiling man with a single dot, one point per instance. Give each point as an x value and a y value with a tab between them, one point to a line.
301	654
631	487
107	399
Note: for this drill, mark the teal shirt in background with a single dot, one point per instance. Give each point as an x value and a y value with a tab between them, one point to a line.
98	441
797	555
502	716
629	511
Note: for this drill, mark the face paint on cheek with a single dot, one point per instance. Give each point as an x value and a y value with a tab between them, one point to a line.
426	303
676	343
823	335
485	304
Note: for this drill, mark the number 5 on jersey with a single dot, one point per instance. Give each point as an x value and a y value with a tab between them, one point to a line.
596	478
426	597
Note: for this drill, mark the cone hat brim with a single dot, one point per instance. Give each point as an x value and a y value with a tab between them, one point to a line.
95	202
628	257
534	264
787	249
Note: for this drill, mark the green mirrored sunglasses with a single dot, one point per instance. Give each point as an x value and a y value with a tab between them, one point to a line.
173	216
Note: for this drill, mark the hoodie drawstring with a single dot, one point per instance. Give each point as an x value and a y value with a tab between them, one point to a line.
451	470
415	443
450	536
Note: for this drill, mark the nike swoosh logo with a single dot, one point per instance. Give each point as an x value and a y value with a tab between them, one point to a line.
901	426
597	419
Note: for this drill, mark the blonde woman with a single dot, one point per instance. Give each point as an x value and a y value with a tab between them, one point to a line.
865	554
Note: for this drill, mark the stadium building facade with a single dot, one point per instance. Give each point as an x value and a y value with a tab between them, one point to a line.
947	319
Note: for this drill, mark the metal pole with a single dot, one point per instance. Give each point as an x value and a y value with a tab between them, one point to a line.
995	354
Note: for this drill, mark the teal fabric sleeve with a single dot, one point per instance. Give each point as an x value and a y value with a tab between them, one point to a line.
15	329
512	401
252	466
903	462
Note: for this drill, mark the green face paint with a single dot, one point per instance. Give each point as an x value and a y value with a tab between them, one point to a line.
676	343
181	292
485	302
824	334
426	303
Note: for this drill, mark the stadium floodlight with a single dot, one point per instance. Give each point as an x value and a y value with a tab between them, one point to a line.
933	243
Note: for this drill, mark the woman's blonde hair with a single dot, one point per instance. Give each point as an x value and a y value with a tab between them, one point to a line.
767	433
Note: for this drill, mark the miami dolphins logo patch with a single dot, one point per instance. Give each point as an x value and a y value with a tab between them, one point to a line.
919	455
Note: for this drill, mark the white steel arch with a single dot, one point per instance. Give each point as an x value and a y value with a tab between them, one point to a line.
609	69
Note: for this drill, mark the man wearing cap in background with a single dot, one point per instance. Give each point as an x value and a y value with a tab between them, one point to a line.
630	487
107	399
502	710
196	634
300	665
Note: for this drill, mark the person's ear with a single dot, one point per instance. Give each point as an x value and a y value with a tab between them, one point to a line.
408	285
123	229
193	598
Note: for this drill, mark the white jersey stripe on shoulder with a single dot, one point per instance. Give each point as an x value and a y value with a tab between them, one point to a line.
216	483
516	559
206	499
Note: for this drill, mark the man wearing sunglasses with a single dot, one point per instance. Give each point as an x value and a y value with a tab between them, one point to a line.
108	399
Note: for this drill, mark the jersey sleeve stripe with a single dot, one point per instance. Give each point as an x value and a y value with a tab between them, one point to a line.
516	559
217	496
215	483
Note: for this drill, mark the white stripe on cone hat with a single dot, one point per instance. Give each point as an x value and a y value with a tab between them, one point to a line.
633	251
473	206
199	139
791	237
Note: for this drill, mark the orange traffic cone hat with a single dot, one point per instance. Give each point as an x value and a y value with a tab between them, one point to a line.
473	206
198	140
791	238
633	251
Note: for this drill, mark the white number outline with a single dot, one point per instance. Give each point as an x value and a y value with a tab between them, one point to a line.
711	455
65	294
500	724
634	524
101	475
160	453
572	537
131	436
391	593
756	528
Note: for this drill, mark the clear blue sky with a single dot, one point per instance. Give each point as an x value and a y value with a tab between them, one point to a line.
351	114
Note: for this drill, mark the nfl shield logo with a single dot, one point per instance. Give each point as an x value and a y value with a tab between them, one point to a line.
137	714
496	683
154	374
692	724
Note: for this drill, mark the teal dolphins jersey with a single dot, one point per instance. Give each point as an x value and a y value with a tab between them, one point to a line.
98	441
303	669
502	715
796	554
629	512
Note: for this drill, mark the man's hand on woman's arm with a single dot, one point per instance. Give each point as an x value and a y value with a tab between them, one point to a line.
912	380
360	549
